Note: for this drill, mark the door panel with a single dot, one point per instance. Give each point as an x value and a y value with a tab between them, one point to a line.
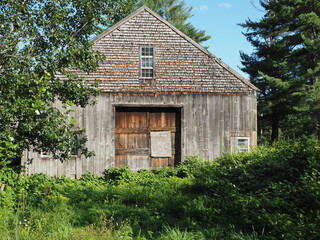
132	142
133	127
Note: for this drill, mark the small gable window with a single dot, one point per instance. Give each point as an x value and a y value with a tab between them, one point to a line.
147	62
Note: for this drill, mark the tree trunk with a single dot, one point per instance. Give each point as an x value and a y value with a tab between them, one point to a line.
318	123
275	130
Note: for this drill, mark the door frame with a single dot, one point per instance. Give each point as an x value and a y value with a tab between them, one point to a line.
178	107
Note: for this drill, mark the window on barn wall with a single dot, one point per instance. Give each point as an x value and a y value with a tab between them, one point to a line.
147	62
242	144
44	155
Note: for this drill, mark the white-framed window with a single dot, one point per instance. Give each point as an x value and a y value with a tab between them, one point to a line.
147	62
44	154
242	144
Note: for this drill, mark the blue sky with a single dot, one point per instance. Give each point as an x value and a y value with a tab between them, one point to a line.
219	18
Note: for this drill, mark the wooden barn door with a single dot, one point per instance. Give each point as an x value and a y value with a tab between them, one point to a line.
147	137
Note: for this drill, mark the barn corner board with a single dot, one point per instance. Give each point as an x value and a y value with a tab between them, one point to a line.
163	96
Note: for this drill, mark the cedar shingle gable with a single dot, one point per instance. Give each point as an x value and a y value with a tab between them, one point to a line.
181	65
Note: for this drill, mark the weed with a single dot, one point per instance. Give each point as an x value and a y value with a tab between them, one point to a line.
272	192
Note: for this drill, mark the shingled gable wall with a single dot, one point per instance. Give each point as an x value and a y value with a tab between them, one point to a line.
217	104
181	64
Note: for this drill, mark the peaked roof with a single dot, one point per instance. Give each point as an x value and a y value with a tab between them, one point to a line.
197	45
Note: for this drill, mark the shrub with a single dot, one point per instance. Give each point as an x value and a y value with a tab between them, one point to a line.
272	192
121	174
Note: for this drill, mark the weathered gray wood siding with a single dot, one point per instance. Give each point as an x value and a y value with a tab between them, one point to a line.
210	122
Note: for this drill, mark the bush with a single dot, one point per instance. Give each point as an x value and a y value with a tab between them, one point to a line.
272	192
275	189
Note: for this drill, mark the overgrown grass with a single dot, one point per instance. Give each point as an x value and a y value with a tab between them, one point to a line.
271	193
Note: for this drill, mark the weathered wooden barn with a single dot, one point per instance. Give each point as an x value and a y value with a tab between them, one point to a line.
163	97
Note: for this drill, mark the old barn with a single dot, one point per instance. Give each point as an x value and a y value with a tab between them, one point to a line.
163	97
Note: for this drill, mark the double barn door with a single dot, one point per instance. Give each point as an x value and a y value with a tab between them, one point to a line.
147	137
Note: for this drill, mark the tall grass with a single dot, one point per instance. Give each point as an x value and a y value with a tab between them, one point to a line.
270	193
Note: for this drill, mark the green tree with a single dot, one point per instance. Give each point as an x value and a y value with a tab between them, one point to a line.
285	66
177	13
37	40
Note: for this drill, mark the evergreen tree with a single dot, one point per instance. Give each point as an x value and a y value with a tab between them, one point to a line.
285	66
176	13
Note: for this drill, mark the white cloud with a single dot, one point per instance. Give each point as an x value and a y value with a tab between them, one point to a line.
224	5
203	8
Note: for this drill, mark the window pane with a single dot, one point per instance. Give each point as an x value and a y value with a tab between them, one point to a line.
147	62
143	62
243	145
150	72
147	51
147	73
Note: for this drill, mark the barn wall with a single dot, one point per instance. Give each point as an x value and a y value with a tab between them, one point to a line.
210	124
217	105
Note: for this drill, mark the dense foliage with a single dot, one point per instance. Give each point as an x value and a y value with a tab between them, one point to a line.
285	66
271	193
37	40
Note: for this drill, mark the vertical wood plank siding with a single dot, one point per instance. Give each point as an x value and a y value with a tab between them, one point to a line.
208	124
217	105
